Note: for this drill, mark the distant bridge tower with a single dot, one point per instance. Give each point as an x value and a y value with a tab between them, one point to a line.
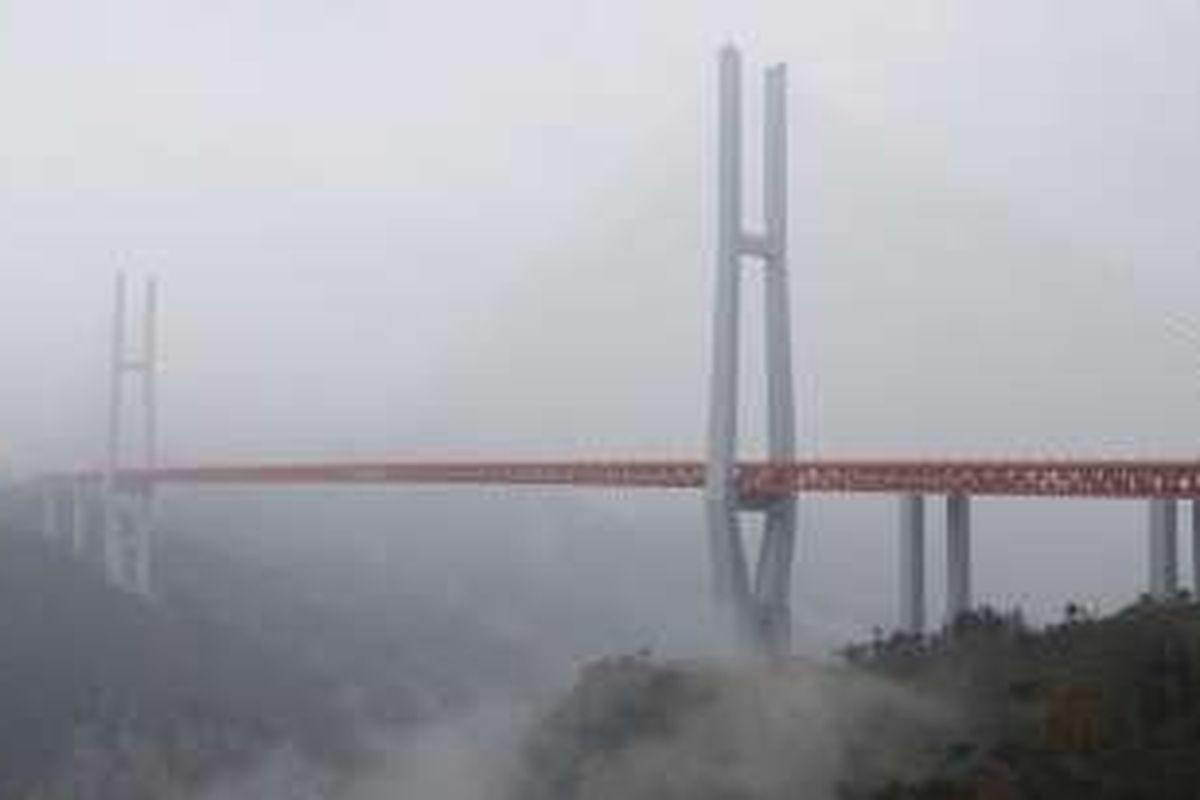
756	604
128	520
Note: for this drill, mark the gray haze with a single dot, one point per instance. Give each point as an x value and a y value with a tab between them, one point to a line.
484	229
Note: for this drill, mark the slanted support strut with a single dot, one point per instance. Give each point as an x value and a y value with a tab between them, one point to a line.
758	605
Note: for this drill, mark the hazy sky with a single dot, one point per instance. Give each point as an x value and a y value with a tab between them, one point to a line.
392	228
371	218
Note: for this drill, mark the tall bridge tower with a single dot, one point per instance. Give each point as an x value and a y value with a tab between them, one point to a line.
757	603
128	510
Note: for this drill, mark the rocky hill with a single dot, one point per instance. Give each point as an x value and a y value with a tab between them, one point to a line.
244	654
106	696
1088	708
988	709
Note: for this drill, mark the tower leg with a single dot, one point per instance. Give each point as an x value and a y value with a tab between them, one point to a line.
726	558
773	578
117	366
727	561
958	556
1163	548
912	563
147	516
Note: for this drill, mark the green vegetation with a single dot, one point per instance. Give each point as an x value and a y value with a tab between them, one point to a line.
1088	708
988	709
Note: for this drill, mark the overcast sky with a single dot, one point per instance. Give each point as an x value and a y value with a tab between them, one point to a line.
369	216
468	227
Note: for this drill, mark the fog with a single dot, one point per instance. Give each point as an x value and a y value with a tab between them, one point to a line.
471	229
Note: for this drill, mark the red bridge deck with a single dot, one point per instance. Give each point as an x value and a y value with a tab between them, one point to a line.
1113	478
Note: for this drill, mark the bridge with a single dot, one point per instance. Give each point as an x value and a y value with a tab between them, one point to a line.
117	502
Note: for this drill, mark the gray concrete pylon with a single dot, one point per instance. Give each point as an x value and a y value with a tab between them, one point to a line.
128	511
51	498
773	583
1163	549
1196	550
79	517
144	525
726	556
758	605
912	563
958	556
112	530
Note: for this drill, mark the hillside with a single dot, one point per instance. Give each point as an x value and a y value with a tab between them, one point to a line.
990	709
246	653
395	658
1088	708
133	700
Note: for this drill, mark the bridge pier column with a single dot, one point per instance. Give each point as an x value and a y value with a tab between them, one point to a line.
142	535
1196	550
912	563
128	529
52	516
79	517
1163	548
114	537
958	556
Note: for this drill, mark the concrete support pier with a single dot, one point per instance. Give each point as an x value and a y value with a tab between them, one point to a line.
958	556
1196	550
912	563
79	518
52	522
1164	548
